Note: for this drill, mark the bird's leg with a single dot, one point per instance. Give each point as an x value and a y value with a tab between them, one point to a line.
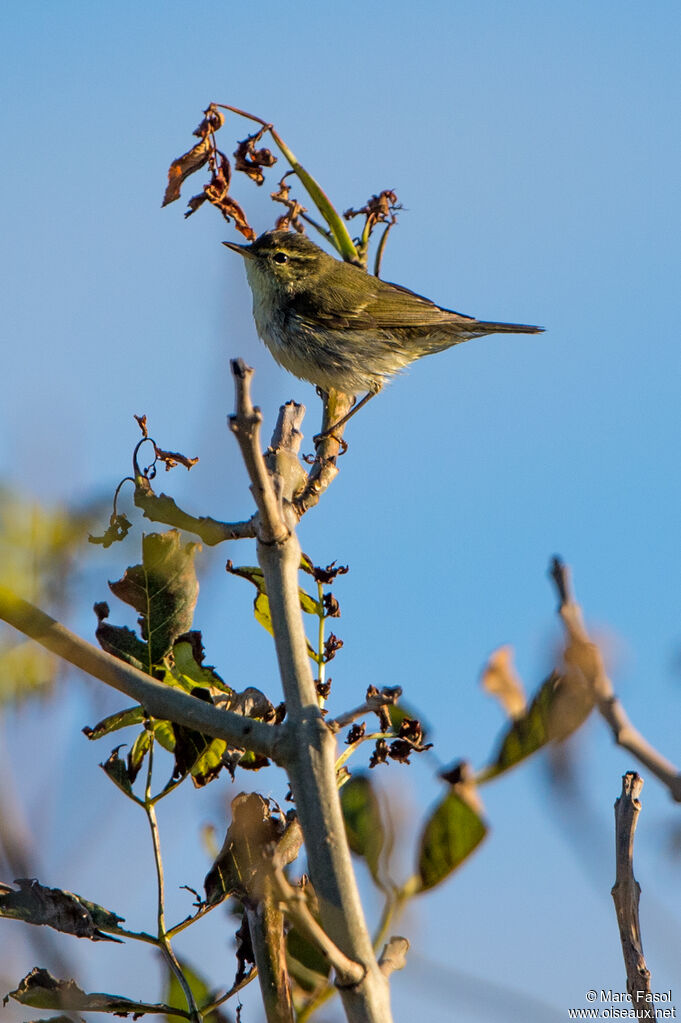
348	415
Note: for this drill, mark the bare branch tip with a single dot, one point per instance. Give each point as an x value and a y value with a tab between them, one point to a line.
394	955
560	573
241	369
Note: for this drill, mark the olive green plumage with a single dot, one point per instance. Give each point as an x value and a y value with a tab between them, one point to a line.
337	326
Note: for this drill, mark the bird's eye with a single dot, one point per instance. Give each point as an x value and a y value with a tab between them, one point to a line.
280	257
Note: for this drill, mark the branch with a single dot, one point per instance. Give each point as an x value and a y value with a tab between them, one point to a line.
307	745
161	508
266	927
626	893
246	427
295	906
159	701
583	655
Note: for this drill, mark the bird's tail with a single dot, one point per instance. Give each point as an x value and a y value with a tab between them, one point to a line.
489	327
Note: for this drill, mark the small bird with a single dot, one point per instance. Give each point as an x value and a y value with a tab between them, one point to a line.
337	326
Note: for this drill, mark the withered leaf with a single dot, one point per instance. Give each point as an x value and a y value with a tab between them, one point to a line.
185	165
250	160
500	679
231	210
331	647
43	991
119	640
52	907
294	209
213	120
242	863
117	530
379	208
380	753
322	575
355	733
173	458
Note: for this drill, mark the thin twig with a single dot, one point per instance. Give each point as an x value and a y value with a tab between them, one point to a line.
206	1010
582	655
626	893
159	701
387	697
203	910
163	939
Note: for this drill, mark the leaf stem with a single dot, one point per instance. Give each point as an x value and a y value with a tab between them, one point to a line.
341	237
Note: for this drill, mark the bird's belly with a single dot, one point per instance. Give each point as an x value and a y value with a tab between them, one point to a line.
328	358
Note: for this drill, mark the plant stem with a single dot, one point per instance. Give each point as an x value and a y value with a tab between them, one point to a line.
320	637
163	938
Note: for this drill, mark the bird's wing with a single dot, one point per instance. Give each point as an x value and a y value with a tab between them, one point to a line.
342	305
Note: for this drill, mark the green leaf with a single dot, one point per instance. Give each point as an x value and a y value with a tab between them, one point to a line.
559	707
138	752
163	589
188	662
164	733
362	816
301	952
122	719
43	991
198	755
452	832
261	604
53	907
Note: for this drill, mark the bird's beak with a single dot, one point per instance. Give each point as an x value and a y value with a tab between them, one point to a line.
243	250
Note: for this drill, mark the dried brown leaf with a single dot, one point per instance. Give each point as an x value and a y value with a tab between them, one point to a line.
185	165
250	160
173	458
213	120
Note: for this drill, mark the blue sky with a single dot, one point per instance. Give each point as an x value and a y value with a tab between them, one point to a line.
535	149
